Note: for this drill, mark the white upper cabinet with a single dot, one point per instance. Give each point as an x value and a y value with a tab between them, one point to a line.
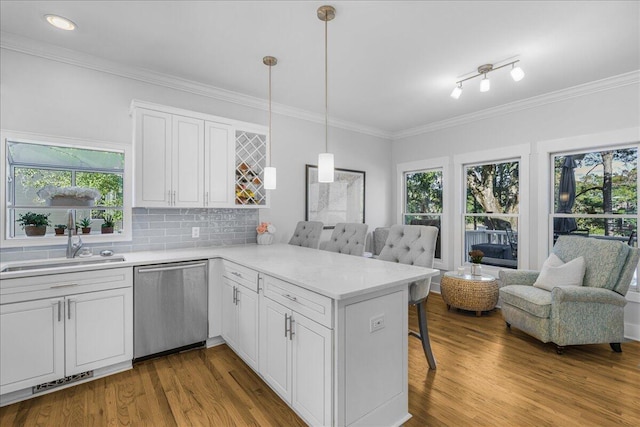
188	159
187	155
152	158
218	155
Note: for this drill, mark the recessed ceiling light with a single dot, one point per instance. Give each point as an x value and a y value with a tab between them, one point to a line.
60	22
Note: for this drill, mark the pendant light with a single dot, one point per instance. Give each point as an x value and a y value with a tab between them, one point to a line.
269	171
325	160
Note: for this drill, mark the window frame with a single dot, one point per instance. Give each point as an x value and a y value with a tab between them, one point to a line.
585	143
436	164
126	235
520	153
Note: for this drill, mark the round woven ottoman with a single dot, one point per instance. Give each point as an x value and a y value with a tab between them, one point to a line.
467	292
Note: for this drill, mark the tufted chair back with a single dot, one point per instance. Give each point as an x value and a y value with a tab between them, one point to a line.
347	238
413	245
307	234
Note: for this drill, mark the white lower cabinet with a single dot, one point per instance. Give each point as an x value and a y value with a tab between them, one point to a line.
295	360
98	329
240	320
67	333
31	343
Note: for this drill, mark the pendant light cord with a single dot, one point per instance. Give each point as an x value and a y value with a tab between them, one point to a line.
326	89
270	115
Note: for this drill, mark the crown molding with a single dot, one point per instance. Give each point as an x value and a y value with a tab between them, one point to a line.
608	83
28	46
51	52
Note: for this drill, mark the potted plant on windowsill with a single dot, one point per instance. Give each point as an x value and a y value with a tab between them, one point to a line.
59	229
108	224
34	224
85	225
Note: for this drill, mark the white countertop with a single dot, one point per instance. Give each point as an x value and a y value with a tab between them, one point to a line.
336	276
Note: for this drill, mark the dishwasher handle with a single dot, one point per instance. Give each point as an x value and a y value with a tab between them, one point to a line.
172	267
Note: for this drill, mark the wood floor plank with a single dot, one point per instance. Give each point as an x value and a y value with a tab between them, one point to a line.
487	375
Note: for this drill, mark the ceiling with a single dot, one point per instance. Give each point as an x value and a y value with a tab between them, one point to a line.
392	64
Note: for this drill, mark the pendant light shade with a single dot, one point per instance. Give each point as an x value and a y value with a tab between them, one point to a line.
325	167
270	178
269	171
325	160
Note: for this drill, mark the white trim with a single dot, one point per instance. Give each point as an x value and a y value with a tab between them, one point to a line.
521	152
127	215
544	149
55	53
589	88
445	225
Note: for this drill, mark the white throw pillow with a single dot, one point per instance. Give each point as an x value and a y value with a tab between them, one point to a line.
556	273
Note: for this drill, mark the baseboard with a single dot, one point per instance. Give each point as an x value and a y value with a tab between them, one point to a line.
632	331
214	341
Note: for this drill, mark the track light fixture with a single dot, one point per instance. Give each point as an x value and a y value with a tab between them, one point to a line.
485	84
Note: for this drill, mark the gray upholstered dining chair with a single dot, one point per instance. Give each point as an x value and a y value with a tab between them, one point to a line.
347	238
414	245
307	234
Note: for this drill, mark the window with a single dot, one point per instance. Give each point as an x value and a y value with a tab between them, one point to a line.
423	201
595	194
35	170
491	212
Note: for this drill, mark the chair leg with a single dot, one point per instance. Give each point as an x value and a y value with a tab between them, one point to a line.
559	349
615	346
508	325
424	334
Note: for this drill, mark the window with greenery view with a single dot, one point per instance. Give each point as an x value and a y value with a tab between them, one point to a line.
423	200
491	212
32	166
595	194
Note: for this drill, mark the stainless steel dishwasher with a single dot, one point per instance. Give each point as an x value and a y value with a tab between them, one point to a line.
170	308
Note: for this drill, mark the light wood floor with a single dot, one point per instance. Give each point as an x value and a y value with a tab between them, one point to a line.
486	376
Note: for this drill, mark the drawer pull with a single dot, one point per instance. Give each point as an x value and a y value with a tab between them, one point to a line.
290	297
235	273
68	285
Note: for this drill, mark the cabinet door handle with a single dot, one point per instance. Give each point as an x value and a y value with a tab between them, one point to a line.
59	310
69	309
206	198
169	197
68	285
292	298
174	198
291	333
286	320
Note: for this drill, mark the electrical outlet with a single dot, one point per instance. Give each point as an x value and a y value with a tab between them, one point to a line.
195	232
376	323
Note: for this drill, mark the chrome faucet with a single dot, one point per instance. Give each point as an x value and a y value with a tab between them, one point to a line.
72	248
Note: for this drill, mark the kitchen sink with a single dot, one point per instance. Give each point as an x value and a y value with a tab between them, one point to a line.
39	265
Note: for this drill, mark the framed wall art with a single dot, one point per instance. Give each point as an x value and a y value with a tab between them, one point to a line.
339	201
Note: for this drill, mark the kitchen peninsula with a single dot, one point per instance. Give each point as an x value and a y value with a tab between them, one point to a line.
327	332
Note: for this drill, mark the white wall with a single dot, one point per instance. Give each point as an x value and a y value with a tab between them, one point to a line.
601	112
58	99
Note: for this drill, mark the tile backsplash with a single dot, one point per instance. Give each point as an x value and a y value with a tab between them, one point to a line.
164	229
